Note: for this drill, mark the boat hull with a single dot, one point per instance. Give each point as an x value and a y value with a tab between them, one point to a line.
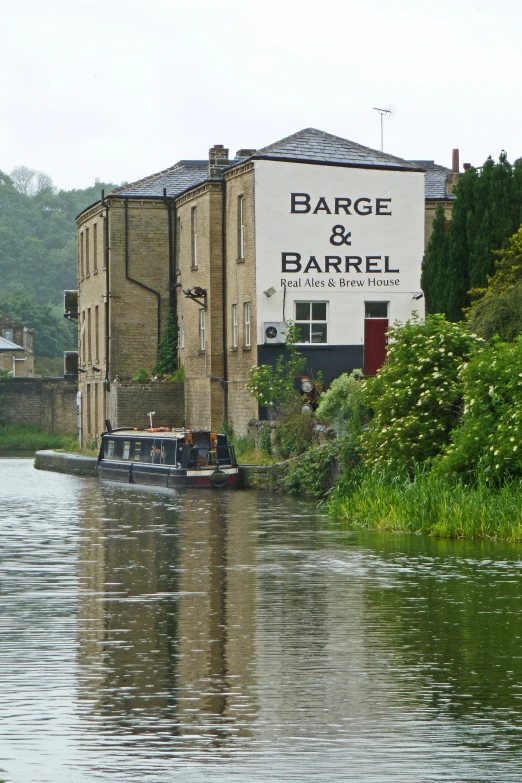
167	476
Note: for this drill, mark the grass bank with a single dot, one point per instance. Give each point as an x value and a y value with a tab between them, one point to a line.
26	437
429	504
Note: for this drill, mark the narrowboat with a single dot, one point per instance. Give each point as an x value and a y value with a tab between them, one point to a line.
168	457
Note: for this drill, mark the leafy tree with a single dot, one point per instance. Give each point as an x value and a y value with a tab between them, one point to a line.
497	309
490	432
52	333
416	397
274	387
167	361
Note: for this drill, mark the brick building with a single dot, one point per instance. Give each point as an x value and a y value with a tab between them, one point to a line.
314	228
16	347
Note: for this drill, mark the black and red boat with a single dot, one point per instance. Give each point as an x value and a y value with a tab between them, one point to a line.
168	457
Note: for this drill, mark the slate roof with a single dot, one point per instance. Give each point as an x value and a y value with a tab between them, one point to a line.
308	144
435	180
7	345
315	145
183	175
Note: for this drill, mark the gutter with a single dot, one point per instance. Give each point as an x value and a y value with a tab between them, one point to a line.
132	279
105	205
224	300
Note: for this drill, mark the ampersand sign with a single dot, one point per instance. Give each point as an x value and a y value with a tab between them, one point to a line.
339	237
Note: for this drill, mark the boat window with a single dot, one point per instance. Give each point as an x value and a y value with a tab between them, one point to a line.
137	450
110	448
126	449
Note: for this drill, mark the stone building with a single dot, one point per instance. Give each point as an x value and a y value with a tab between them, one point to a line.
439	184
16	348
314	229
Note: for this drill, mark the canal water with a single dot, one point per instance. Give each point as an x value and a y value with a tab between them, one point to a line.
214	637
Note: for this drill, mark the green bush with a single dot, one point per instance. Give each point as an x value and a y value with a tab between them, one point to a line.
489	436
274	387
315	472
295	431
417	396
265	440
341	405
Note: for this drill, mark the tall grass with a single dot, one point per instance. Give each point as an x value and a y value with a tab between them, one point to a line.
430	504
27	437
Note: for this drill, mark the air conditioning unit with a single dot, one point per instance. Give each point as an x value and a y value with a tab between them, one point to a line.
275	332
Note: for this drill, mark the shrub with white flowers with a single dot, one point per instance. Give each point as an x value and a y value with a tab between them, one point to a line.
490	434
417	395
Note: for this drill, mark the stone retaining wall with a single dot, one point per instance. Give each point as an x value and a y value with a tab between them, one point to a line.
48	403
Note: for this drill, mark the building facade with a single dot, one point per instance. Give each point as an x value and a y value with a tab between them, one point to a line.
314	229
16	348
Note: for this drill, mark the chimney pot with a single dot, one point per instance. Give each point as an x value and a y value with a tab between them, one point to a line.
466	166
455	162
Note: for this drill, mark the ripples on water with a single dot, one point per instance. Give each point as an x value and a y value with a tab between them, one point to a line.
243	637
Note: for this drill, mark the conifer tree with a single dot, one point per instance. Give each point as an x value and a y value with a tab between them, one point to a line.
433	264
487	210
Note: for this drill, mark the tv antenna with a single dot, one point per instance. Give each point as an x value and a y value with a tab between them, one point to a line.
384	113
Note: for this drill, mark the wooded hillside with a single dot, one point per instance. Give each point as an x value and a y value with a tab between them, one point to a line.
38	253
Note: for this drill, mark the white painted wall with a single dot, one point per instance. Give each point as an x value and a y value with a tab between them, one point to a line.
399	236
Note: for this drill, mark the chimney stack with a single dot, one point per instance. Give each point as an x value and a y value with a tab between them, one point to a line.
455	162
217	161
466	166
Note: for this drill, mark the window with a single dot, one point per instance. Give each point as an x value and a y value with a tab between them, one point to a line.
137	450
201	330
110	448
235	326
82	337
89	409
126	449
310	318
246	324
194	231
95	248
96	334
89	354
182	335
7	334
87	269
81	255
240	228
104	233
28	339
95	392
178	243
376	309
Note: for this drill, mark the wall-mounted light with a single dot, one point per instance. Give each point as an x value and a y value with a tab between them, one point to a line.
96	369
270	291
197	294
418	295
80	369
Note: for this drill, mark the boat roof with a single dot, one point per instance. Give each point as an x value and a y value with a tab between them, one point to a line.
173	433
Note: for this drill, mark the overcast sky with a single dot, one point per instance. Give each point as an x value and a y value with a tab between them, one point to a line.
120	89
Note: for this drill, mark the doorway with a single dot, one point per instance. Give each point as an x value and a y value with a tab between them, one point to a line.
375	340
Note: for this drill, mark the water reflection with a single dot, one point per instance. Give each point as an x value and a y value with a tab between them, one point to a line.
167	614
244	637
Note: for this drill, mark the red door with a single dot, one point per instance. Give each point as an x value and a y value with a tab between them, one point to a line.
374	344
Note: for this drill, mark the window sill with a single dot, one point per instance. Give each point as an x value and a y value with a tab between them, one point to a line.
193	268
233	349
240	261
247	347
86	276
95	272
200	352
